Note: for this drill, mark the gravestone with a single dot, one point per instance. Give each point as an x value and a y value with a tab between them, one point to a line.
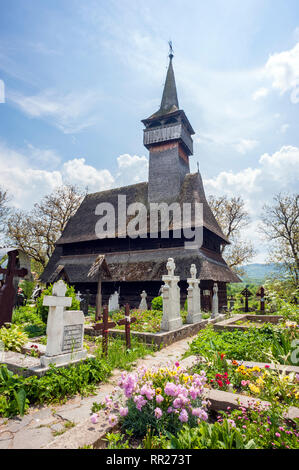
143	303
171	319
113	303
215	306
193	297
84	303
65	329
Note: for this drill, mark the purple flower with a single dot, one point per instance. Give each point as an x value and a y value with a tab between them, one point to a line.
113	419
94	418
171	389
183	417
158	413
159	399
123	411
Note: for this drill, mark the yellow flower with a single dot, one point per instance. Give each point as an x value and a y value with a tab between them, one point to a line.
158	391
254	388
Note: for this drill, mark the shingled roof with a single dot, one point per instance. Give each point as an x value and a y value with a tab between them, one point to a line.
149	265
81	227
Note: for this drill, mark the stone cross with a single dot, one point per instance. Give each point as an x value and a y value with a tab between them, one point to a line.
65	329
215	306
171	319
143	303
193	298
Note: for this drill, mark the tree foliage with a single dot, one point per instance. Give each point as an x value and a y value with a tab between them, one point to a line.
232	217
280	226
36	231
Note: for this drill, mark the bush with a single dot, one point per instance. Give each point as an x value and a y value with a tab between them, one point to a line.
27	287
29	321
43	311
157	303
160	398
13	338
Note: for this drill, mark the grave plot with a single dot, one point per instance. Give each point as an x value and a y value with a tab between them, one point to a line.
170	324
246	321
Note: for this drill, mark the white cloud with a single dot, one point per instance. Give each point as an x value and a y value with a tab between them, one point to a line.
275	173
77	172
260	93
71	112
131	169
283	69
245	145
23	174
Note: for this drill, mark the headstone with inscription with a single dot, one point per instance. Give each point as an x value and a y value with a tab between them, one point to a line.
65	329
193	298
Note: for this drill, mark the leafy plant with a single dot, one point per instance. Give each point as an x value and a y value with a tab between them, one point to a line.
157	303
13	338
13	399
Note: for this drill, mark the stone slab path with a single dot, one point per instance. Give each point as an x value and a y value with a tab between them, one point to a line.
68	426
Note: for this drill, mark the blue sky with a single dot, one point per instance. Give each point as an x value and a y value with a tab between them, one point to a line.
80	75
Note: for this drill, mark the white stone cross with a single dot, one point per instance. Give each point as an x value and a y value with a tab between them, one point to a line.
143	303
193	298
215	307
170	266
63	328
193	271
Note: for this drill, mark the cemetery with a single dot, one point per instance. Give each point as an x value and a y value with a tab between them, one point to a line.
151	341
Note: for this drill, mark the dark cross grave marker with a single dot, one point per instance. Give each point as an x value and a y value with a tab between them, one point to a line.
99	270
261	293
104	326
127	322
7	291
246	293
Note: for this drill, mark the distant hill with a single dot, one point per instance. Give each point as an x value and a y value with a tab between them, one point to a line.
260	272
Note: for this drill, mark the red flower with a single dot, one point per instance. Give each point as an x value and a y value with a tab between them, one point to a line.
222	356
220	383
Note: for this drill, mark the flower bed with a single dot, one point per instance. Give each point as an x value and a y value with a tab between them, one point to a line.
166	408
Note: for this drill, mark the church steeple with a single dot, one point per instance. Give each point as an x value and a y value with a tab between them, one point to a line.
167	136
169	101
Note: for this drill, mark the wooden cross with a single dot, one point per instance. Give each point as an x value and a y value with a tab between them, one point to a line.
7	291
246	293
104	326
97	270
261	293
127	322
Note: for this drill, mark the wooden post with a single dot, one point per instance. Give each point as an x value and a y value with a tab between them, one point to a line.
99	297
104	326
7	291
127	322
261	293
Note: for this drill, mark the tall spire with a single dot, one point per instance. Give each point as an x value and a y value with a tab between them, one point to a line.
169	98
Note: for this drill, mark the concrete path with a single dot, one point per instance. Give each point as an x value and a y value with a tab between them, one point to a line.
68	426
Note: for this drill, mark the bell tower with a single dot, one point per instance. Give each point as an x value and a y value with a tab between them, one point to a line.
167	136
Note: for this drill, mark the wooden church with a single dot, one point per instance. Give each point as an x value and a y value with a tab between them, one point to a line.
138	264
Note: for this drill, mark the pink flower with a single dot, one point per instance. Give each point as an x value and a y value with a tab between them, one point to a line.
177	364
171	389
277	434
267	366
196	412
169	410
94	418
183	417
159	399
123	411
113	420
158	413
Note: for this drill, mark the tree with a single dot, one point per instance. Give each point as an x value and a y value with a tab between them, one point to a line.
36	231
232	217
4	209
280	225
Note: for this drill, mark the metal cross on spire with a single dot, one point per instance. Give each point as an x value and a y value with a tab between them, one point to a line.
170	55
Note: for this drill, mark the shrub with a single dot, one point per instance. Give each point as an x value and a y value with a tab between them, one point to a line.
27	287
30	321
13	338
157	303
43	311
160	398
12	394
